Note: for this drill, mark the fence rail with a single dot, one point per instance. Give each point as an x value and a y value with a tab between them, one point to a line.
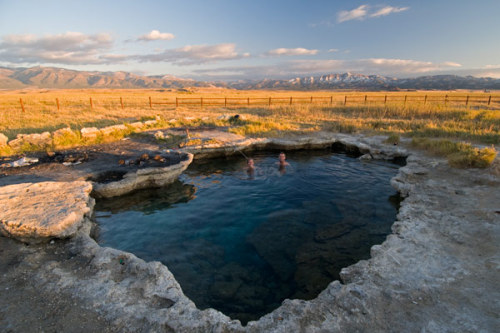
489	101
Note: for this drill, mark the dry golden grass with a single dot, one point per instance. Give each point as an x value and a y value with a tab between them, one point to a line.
41	111
475	123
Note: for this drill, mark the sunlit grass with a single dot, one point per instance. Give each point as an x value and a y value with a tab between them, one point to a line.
459	154
475	124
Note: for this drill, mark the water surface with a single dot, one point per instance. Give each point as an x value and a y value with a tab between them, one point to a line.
242	243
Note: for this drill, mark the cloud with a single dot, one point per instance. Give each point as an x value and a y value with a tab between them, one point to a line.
333	50
156	35
381	66
290	52
384	11
195	54
355	14
65	48
365	11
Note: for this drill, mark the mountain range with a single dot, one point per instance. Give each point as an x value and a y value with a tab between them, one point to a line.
51	77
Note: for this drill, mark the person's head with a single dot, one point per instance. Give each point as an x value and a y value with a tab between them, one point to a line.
250	163
282	157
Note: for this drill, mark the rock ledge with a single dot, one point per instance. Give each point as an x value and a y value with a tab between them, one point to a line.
36	212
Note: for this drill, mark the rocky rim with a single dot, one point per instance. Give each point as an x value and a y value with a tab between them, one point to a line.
437	271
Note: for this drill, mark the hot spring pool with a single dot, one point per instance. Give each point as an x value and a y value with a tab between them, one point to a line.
242	243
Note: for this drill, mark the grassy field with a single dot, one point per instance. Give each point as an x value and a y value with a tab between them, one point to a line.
475	122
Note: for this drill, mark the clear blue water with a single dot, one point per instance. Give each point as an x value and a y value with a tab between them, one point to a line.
242	243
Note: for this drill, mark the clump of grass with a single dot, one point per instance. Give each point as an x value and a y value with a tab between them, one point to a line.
393	139
473	158
66	138
343	126
6	150
263	127
211	142
459	154
190	143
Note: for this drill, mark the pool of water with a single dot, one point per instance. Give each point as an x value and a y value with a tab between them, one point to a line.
243	242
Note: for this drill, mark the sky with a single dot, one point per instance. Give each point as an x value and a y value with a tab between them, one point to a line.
238	39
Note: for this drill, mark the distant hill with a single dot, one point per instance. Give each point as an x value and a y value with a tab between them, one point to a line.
51	77
372	82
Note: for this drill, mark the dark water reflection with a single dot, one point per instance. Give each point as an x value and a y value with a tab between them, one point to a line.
242	243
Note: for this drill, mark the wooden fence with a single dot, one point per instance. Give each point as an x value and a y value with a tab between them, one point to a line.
488	101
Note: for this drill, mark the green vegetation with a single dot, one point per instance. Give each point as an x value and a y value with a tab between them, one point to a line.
459	154
393	139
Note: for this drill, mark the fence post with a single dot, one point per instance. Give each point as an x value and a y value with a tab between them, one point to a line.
291	100
201	101
311	99
366	98
91	104
425	99
225	101
331	100
121	102
445	100
489	100
467	101
405	100
345	100
248	101
269	101
57	102
176	102
22	105
150	103
385	99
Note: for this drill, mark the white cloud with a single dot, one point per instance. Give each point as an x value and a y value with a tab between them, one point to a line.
333	50
388	10
291	52
355	14
156	35
65	48
365	11
451	64
195	54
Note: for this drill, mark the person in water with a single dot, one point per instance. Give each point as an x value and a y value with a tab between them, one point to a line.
250	167
250	164
282	163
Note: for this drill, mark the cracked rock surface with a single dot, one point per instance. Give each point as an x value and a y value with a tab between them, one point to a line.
34	212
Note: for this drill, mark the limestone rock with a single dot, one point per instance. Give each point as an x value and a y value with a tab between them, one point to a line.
41	140
89	132
159	135
3	139
115	128
137	125
63	132
143	178
35	212
150	123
